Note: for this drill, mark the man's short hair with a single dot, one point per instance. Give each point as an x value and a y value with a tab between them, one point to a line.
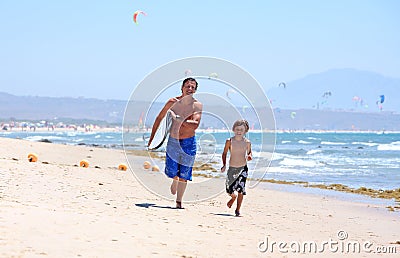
189	79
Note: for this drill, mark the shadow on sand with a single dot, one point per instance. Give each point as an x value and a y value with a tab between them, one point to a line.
223	214
148	205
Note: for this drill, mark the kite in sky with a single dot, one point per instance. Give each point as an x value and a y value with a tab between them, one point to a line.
135	15
213	75
380	101
327	94
382	98
230	91
188	72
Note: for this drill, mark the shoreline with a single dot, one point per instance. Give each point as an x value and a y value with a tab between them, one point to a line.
391	194
388	194
392	197
120	129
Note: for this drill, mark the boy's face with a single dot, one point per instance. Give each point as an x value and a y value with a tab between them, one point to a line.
239	130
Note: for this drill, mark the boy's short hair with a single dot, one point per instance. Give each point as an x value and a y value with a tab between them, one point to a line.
241	122
188	80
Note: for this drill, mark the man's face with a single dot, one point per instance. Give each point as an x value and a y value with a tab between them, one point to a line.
189	88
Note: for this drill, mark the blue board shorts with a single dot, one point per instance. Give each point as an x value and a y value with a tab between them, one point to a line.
180	157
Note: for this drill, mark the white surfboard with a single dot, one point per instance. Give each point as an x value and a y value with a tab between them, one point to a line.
162	132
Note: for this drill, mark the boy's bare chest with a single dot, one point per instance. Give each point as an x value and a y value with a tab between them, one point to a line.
238	145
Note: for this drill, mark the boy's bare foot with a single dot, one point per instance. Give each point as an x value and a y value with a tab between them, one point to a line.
179	205
174	186
231	201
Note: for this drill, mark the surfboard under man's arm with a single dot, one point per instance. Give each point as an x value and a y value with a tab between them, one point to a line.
160	117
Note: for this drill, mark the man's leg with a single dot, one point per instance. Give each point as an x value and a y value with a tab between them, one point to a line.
180	191
174	185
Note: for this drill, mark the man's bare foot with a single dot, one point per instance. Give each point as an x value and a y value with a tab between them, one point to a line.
174	186
231	201
237	213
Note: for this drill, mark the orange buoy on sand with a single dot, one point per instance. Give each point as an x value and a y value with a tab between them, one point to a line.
155	168
32	157
84	163
122	166
146	165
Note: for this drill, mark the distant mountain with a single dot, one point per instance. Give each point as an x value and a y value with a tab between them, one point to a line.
339	89
324	101
46	108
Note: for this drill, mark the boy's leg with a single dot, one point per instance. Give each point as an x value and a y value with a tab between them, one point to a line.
180	191
232	200
239	204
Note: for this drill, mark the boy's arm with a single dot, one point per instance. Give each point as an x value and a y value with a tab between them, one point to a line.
249	153
224	153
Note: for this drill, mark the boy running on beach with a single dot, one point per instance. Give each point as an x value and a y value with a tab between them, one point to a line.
240	153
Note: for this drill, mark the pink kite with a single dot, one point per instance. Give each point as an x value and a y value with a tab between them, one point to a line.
135	15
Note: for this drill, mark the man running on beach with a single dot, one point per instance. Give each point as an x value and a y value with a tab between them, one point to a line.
181	147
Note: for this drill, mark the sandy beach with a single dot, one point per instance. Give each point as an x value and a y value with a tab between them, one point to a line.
55	208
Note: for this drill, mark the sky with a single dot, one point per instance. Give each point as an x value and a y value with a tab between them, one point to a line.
93	49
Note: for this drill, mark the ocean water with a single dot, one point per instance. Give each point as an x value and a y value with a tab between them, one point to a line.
369	160
353	159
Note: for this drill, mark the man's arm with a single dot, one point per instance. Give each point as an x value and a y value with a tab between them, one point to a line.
196	117
160	116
